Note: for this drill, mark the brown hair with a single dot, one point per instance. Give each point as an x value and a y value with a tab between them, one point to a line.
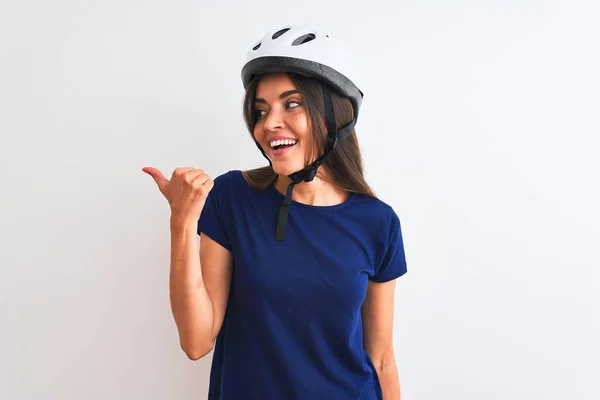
344	164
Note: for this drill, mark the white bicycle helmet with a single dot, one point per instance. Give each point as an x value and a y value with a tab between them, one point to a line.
308	51
314	53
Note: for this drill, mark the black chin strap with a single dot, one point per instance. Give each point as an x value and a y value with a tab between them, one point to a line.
308	173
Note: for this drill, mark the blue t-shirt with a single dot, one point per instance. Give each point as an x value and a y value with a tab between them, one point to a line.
293	327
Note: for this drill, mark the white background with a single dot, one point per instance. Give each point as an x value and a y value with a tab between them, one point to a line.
480	127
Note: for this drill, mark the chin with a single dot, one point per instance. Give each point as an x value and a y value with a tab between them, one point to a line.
286	168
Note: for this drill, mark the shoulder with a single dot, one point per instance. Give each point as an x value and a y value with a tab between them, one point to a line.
377	219
232	188
227	182
228	177
375	209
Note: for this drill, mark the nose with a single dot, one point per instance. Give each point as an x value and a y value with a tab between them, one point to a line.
273	119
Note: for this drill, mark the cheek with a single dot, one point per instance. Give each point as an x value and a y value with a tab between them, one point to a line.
300	124
256	132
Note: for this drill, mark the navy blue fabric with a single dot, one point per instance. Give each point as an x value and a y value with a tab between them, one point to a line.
293	327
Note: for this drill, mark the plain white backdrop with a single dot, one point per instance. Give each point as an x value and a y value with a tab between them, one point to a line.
480	127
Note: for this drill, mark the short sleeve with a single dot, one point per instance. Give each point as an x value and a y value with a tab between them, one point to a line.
393	264
211	222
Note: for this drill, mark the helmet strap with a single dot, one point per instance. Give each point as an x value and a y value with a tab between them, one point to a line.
309	172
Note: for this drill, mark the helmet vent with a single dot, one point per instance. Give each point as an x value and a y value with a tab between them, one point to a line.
279	33
257	46
303	39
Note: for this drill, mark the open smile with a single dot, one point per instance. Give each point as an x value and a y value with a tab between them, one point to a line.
282	146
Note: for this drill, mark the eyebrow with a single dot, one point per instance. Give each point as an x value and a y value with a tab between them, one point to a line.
281	96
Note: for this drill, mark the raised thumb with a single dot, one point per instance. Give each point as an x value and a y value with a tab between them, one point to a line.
158	177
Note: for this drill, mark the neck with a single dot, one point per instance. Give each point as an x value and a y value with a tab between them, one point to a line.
318	192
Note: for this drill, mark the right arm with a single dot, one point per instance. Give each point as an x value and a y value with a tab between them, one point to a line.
200	278
199	285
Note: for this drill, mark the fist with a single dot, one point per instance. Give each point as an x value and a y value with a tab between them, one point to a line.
186	191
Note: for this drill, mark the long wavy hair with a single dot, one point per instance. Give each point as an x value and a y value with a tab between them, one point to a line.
344	165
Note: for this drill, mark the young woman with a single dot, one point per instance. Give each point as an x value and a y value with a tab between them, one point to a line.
293	281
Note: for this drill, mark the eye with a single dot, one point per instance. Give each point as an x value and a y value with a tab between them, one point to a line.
259	113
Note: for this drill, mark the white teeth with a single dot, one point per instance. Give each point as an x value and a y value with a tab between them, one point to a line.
282	142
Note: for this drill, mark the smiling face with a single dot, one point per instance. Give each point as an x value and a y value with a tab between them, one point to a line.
282	126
